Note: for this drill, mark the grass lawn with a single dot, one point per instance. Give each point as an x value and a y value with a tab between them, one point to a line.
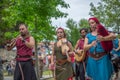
47	72
50	79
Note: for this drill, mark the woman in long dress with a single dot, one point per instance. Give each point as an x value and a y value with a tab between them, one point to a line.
99	66
63	67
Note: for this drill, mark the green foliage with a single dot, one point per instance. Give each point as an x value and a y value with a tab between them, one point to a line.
36	14
73	33
8	35
83	23
108	13
3	24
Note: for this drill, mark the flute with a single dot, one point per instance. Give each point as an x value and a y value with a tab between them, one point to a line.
12	42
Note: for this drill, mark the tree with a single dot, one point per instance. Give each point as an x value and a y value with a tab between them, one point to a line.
35	13
108	13
83	23
73	31
3	25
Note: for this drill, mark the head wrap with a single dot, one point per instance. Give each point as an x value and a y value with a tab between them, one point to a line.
95	19
107	45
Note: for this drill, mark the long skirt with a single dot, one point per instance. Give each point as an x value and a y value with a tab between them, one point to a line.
63	72
100	69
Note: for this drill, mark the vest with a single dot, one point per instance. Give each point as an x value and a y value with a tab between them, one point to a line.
81	44
23	52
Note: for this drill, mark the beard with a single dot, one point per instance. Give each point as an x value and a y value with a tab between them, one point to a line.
23	34
83	36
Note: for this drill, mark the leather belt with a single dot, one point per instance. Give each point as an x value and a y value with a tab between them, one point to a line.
97	55
26	56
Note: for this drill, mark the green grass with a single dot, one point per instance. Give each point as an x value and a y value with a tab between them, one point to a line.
50	79
47	72
5	73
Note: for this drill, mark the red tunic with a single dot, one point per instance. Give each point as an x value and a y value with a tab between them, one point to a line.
23	52
81	45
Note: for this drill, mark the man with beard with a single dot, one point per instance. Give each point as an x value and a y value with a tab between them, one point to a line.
80	65
24	43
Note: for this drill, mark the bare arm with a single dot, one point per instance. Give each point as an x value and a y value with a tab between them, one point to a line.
87	46
31	43
70	46
111	36
76	46
70	51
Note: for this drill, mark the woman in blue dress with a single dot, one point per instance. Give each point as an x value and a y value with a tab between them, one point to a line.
99	66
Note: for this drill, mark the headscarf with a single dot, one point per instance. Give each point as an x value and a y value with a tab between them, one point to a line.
95	19
102	30
107	45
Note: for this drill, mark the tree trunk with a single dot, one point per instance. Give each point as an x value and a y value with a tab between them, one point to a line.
36	65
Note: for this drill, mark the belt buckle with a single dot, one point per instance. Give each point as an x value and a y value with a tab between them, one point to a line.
97	55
